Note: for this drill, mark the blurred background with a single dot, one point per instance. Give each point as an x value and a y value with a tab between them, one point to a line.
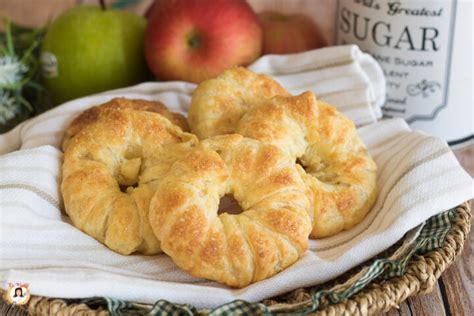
34	13
45	36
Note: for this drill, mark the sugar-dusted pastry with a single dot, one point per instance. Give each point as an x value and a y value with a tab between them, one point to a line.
218	104
91	114
111	168
269	235
340	171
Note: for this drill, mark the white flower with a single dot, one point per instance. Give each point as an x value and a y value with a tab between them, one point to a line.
8	108
11	70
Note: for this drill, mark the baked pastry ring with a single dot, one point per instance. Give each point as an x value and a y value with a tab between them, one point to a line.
269	235
90	115
110	171
340	171
218	104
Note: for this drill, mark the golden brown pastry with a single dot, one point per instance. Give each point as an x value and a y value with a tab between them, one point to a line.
91	115
218	104
340	171
268	236
110	171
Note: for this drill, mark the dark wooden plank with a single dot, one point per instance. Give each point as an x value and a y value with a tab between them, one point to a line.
428	304
11	310
457	282
404	309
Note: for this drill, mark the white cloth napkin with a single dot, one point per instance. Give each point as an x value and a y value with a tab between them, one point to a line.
418	177
342	75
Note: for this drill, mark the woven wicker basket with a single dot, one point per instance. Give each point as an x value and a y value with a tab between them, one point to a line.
380	295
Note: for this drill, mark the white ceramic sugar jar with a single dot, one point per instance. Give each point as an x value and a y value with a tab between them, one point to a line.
426	51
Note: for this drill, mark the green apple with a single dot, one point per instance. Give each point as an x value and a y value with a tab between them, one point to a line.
88	50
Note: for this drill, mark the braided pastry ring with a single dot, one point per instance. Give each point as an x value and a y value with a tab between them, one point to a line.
119	148
340	171
269	235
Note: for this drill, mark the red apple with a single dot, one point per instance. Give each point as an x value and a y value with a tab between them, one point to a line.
287	34
194	40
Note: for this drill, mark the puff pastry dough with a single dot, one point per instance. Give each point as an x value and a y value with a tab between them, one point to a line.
90	115
110	171
218	104
340	171
269	235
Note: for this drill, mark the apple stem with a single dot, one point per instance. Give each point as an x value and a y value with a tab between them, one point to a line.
102	5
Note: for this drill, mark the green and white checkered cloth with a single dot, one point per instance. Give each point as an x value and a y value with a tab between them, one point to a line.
424	238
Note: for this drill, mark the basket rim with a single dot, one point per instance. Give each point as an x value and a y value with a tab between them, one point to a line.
423	271
420	277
